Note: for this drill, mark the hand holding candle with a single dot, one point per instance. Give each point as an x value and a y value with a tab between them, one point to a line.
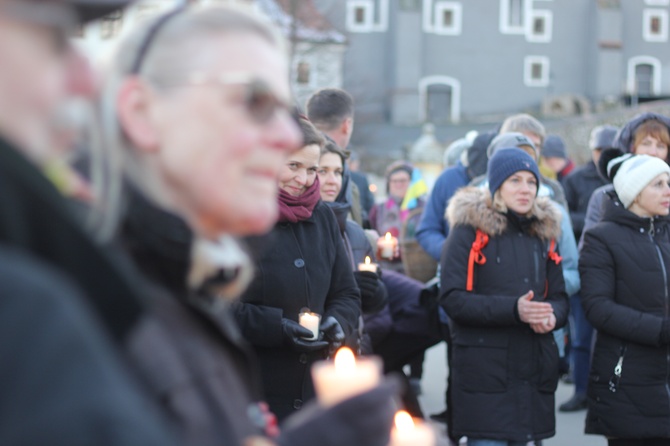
368	266
345	377
408	433
387	247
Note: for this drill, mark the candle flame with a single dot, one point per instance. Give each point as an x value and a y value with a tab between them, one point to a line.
367	260
344	360
388	236
403	421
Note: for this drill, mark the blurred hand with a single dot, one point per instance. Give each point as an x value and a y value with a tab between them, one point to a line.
332	332
295	334
546	326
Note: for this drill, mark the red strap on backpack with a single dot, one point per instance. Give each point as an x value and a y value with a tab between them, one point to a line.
553	255
476	256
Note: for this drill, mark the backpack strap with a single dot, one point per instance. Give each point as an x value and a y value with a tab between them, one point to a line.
476	256
553	255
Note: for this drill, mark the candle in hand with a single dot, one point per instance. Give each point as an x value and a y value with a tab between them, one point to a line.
345	377
387	246
310	321
368	266
407	433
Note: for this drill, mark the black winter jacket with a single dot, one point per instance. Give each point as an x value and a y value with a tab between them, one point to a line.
503	375
625	268
579	186
304	264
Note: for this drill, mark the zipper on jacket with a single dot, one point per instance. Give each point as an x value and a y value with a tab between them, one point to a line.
618	368
536	261
667	304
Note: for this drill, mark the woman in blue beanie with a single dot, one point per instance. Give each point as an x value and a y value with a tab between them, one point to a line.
502	287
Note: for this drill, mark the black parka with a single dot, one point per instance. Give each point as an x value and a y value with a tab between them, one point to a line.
625	268
502	374
303	264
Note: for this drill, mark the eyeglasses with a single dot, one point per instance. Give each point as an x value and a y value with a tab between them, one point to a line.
260	101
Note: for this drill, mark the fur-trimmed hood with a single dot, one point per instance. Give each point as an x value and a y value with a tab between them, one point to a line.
473	206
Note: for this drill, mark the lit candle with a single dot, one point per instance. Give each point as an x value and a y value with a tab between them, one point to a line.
386	246
368	266
408	433
310	321
345	377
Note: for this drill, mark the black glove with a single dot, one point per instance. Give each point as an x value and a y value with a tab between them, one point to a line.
295	334
367	282
373	291
332	332
364	420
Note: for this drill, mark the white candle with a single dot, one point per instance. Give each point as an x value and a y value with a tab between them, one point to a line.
408	433
368	266
387	246
345	377
310	321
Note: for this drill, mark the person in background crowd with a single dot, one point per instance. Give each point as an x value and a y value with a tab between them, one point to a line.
535	131
66	303
453	153
292	275
624	267
389	216
202	143
646	134
504	305
358	177
555	157
397	325
331	110
579	186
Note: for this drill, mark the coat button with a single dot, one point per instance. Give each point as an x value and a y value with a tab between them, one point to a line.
303	359
297	404
299	263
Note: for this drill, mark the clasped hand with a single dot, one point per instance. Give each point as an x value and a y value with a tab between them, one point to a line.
539	315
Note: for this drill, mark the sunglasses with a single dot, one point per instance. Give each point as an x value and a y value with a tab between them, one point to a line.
260	101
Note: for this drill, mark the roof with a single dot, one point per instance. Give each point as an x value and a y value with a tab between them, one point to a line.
310	24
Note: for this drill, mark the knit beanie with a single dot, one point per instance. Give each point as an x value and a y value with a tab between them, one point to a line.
632	173
554	147
505	163
507	140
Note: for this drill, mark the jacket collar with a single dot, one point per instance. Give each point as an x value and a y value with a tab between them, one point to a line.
615	212
472	206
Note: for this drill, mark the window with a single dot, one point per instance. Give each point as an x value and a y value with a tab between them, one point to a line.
303	73
644	76
513	15
657	2
439	99
540	26
655	25
442	17
361	15
536	71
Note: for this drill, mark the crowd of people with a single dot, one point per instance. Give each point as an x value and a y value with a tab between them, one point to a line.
157	257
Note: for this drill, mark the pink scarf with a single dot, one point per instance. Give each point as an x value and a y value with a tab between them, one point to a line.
294	209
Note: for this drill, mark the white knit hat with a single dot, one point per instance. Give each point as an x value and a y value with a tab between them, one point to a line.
634	174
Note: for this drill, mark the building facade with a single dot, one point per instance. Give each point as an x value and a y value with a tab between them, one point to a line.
449	61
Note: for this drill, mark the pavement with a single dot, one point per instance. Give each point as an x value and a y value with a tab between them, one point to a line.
569	426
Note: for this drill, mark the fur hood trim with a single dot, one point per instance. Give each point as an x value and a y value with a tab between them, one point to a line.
473	206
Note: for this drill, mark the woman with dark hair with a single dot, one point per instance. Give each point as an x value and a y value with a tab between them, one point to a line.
304	265
625	265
